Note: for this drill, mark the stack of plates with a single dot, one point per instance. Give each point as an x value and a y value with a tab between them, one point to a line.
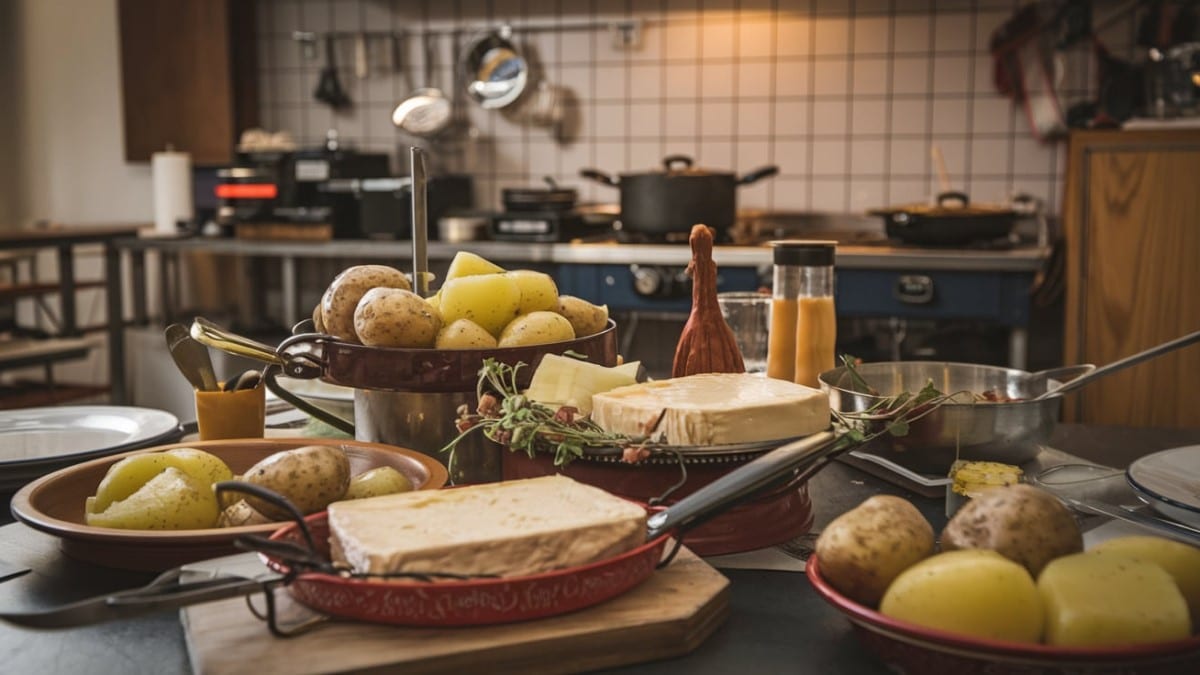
1169	481
37	441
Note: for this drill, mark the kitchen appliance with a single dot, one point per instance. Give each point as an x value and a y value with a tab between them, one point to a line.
680	195
381	208
549	214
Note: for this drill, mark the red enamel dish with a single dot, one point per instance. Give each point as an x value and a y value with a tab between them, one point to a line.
465	603
913	649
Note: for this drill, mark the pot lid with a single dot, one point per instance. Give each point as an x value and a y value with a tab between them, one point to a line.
680	165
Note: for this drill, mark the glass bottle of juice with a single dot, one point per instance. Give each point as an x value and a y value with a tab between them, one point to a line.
803	320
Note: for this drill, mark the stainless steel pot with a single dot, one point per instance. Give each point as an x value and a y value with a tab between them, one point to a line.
1012	433
404	397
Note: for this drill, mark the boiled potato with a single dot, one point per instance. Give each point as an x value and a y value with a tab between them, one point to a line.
129	474
171	500
538	291
536	328
464	334
467	264
382	480
241	513
318	321
436	301
1020	522
1107	599
975	592
1179	560
346	289
864	549
490	300
393	317
586	318
309	477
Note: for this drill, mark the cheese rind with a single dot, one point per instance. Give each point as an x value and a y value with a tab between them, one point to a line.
513	528
713	409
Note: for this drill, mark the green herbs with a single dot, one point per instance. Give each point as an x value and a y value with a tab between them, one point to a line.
890	414
523	425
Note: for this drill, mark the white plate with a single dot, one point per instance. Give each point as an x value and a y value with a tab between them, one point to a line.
35	441
1169	481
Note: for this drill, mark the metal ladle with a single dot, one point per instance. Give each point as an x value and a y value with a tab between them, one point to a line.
1121	364
426	111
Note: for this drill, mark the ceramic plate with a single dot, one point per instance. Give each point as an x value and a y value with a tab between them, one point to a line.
318	390
1169	481
55	503
36	441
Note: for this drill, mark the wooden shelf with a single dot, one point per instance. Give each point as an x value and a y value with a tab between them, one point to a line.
24	352
14	291
38	394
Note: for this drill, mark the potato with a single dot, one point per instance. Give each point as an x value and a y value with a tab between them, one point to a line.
490	300
241	513
467	264
435	300
1179	560
536	328
864	549
586	318
129	474
979	593
346	289
318	321
1109	599
393	317
1020	522
171	500
310	477
464	334
538	291
382	480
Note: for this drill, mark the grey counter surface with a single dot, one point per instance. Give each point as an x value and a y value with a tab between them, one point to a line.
776	622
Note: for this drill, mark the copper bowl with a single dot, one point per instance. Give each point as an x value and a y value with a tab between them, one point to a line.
908	648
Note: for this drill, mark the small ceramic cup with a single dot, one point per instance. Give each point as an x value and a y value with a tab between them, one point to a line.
231	414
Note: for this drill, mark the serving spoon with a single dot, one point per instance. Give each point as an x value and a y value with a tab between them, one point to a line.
191	357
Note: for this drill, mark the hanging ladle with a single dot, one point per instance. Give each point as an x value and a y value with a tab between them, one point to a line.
329	88
1121	364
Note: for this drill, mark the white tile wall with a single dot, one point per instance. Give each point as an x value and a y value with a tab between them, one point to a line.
846	96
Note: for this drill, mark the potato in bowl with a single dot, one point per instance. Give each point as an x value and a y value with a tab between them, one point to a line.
55	503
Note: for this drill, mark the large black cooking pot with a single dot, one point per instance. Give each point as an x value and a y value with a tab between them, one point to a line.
679	196
953	221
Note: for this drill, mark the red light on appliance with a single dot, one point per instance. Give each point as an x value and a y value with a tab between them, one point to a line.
247	191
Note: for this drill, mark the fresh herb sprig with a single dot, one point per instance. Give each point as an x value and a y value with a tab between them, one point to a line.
511	419
891	415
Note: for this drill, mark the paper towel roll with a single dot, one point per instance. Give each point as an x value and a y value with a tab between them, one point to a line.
172	175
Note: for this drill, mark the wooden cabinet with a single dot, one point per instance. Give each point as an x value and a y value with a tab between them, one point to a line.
188	77
1132	224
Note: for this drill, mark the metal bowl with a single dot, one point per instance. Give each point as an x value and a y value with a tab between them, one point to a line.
1002	432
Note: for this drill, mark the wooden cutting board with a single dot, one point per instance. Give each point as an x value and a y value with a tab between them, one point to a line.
668	615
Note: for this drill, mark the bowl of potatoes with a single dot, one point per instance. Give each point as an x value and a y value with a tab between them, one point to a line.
1008	588
154	509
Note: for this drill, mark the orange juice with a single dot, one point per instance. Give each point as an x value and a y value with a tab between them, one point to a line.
781	341
816	332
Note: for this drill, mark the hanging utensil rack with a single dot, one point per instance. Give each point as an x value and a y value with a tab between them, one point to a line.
626	34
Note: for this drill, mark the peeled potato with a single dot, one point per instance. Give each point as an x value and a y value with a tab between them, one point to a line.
586	318
539	293
973	592
536	328
382	480
490	300
1179	560
467	264
128	475
171	500
464	334
394	317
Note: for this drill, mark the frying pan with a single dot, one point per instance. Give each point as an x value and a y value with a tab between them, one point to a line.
1010	432
450	602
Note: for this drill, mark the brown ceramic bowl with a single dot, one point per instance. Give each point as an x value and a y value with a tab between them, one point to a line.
54	503
908	648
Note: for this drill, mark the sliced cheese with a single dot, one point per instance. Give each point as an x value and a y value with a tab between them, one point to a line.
507	529
713	409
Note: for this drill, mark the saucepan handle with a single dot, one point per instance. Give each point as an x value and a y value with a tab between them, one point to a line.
271	372
758	174
598	176
743	483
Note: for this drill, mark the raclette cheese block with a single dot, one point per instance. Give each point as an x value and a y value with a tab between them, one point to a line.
512	528
713	409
